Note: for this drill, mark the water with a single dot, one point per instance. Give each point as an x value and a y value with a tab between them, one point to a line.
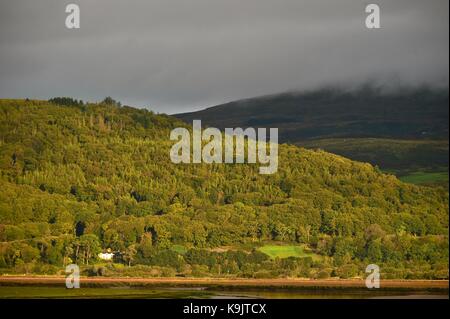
151	293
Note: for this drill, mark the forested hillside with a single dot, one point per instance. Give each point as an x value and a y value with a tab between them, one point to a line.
79	178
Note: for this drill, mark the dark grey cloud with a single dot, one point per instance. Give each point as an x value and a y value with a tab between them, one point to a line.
179	55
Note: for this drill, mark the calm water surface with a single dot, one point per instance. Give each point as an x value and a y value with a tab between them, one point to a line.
150	293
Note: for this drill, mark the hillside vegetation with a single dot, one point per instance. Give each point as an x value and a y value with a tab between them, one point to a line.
80	178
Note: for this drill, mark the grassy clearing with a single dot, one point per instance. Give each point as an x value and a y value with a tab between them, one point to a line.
281	251
425	178
179	249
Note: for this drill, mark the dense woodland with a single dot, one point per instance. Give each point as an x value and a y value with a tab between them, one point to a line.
79	178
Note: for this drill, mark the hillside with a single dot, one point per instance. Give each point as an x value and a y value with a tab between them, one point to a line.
390	129
82	178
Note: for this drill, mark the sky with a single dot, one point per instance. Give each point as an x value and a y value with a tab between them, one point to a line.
175	56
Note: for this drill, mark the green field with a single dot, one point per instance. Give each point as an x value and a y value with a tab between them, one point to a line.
425	178
179	249
282	251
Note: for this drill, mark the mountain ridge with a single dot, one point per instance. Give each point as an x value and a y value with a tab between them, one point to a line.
424	105
400	121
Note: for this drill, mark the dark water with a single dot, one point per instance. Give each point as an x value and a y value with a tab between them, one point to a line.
150	293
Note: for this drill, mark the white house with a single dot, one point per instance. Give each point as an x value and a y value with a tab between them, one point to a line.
106	256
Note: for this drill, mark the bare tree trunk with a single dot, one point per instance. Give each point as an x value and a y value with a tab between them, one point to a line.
76	253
